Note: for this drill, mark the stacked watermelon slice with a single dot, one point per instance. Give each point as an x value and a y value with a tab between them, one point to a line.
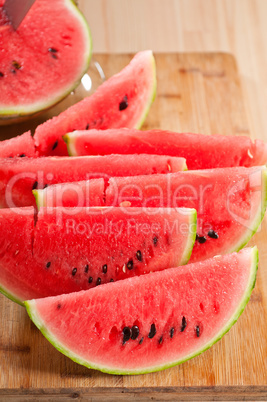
96	244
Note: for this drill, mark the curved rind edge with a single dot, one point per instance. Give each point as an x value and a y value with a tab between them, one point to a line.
191	238
39	198
153	93
258	217
30	306
69	139
10	114
11	296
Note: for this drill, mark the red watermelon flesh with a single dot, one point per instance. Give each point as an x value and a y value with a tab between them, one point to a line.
200	151
122	101
147	324
19	176
44	59
230	202
73	249
21	145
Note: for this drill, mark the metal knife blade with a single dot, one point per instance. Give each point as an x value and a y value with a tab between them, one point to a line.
16	10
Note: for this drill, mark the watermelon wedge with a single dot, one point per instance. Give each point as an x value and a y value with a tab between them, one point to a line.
44	59
146	324
21	146
19	176
67	250
230	202
121	101
200	151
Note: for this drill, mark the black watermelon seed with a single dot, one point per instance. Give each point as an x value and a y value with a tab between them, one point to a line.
16	64
124	103
139	255
201	239
52	50
153	331
184	324
155	240
90	280
98	282
74	271
135	332
130	264
197	331
22	155
1	74
213	234
127	333
48	264
86	268
55	145
141	341
111	280
59	306
35	185
13	71
46	185
105	268
160	340
87	126
54	56
171	332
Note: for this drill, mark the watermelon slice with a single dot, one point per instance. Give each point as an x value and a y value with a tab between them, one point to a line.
122	101
74	249
200	151
44	59
146	324
22	145
19	176
230	202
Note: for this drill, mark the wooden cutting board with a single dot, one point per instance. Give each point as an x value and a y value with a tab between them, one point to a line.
197	93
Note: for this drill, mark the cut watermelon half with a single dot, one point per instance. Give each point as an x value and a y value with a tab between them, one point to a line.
230	202
19	176
68	250
21	146
200	151
44	59
122	101
146	324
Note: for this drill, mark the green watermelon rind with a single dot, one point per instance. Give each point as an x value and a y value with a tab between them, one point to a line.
11	297
152	96
32	109
30	306
258	216
39	198
191	238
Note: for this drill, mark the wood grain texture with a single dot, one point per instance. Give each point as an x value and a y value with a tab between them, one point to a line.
234	26
198	93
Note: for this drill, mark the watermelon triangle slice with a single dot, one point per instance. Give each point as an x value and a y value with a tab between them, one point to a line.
43	60
122	101
67	250
21	146
149	323
200	151
19	176
230	202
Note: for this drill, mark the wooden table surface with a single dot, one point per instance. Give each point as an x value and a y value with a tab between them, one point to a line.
196	92
235	368
235	26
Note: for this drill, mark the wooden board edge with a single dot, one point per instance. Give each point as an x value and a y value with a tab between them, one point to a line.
108	394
